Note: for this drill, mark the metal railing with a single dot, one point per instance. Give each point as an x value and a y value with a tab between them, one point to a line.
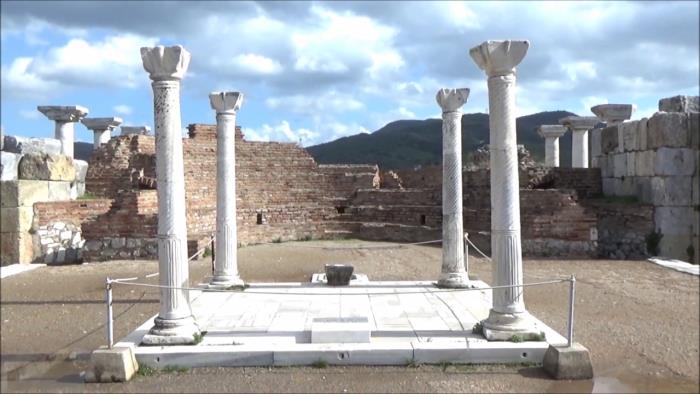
129	282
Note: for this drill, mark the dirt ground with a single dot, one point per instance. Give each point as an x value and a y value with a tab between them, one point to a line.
640	322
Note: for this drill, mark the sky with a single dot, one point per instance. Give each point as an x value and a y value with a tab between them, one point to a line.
312	72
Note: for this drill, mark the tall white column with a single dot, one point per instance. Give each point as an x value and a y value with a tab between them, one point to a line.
226	105
64	117
175	323
579	126
453	273
551	134
508	316
102	128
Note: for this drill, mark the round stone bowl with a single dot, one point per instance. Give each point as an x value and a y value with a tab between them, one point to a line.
338	274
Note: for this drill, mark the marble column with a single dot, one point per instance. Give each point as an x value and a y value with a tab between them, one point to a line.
579	126
453	273
140	130
102	128
507	316
65	118
175	323
551	134
226	105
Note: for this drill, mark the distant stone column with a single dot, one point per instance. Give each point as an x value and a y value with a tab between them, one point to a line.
579	126
551	134
139	130
508	315
613	115
102	128
453	273
65	117
175	323
226	105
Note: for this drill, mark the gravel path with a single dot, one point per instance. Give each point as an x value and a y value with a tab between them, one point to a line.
640	322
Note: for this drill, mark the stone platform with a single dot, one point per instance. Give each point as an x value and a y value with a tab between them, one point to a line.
271	324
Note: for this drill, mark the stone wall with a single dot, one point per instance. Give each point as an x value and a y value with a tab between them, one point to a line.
657	162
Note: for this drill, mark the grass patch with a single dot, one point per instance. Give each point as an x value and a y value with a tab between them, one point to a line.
443	365
175	368
277	240
516	338
307	237
319	364
411	363
146	370
238	287
199	337
541	337
87	196
478	329
207	252
620	199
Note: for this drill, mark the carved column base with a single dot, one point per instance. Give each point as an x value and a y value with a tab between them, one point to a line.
172	332
226	282
454	280
503	326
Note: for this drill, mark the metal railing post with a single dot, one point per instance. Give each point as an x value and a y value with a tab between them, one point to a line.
110	315
466	252
572	292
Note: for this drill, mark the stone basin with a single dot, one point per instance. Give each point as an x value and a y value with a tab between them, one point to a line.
338	274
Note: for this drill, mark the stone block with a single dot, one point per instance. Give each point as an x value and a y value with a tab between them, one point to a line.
627	186
675	246
668	129
680	104
81	167
675	161
696	191
631	163
674	220
642	134
630	135
609	140
59	190
572	362
17	247
47	167
606	164
671	190
694	129
117	364
340	330
619	165
644	163
643	189
16	219
24	145
610	186
23	193
596	140
9	165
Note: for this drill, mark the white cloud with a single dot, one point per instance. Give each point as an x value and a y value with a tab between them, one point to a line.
112	62
331	102
257	64
580	70
280	132
123	109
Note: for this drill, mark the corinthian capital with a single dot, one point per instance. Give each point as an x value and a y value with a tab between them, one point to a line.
165	63
451	100
498	58
226	102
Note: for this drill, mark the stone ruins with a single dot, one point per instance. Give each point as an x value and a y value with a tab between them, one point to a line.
631	191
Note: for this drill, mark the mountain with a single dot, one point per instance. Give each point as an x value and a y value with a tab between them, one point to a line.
82	150
406	143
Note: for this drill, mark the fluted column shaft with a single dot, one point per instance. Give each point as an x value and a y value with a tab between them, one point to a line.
505	196
65	132
452	218
170	175
226	263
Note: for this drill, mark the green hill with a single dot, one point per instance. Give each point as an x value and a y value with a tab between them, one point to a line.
406	143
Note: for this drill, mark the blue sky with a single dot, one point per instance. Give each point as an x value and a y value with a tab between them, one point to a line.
317	71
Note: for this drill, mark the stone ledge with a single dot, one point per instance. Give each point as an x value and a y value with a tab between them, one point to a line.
572	362
117	364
